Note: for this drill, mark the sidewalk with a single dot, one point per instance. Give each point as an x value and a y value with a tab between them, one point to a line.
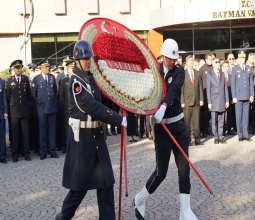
33	190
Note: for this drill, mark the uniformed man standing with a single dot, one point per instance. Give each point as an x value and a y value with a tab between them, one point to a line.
44	91
18	94
33	116
3	116
170	112
64	84
243	94
87	162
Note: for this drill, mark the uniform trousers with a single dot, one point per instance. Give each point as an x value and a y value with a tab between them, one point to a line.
242	118
204	115
19	127
61	129
192	113
217	124
105	198
47	127
131	124
2	139
163	147
34	132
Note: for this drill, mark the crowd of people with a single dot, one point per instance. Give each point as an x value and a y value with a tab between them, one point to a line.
221	91
202	100
36	108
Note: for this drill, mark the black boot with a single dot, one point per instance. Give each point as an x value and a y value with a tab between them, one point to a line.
59	216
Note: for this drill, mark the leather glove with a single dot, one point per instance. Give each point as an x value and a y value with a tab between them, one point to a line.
124	122
160	114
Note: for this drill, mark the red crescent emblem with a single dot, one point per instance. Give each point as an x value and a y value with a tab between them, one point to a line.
124	68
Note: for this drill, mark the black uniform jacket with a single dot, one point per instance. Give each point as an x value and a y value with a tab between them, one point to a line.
87	163
18	96
174	81
63	91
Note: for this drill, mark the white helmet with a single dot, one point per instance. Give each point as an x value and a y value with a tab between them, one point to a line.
170	49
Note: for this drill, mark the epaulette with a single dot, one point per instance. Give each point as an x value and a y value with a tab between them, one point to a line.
37	76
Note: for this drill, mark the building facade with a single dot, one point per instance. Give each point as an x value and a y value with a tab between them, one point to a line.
34	29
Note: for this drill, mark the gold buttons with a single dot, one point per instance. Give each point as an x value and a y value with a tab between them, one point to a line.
94	136
19	101
93	91
48	93
102	132
97	147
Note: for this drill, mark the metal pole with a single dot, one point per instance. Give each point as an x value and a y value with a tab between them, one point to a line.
124	143
185	156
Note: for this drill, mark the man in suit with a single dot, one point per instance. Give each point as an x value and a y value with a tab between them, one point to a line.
18	94
218	100
243	94
231	109
44	91
204	113
231	61
192	98
3	116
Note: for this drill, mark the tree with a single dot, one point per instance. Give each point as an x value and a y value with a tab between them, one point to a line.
6	73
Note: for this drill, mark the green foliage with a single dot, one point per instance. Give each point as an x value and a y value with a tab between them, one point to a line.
5	73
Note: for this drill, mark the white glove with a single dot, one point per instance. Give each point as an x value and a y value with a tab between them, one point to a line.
124	122
160	114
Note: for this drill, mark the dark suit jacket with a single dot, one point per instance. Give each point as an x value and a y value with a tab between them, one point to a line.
217	92
18	96
191	95
3	100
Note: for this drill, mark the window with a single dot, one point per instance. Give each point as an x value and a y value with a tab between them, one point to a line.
54	46
211	39
183	38
243	37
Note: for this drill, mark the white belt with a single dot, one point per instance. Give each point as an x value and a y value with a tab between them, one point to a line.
173	119
90	124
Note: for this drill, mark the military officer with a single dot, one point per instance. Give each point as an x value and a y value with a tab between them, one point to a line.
3	116
243	94
170	112
61	132
33	116
87	163
18	94
44	91
64	84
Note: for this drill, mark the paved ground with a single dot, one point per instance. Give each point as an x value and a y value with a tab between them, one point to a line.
32	190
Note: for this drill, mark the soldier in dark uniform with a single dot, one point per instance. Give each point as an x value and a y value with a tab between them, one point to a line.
243	94
87	162
3	116
61	132
44	91
18	93
64	84
33	116
170	112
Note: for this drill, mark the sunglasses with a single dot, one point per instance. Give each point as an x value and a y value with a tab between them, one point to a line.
17	67
217	62
231	59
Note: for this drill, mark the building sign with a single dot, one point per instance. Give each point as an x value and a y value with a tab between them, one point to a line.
246	11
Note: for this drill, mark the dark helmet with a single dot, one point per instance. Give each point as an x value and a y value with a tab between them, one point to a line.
81	50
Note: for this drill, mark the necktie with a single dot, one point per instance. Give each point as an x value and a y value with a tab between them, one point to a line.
192	77
18	80
45	79
243	68
218	74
